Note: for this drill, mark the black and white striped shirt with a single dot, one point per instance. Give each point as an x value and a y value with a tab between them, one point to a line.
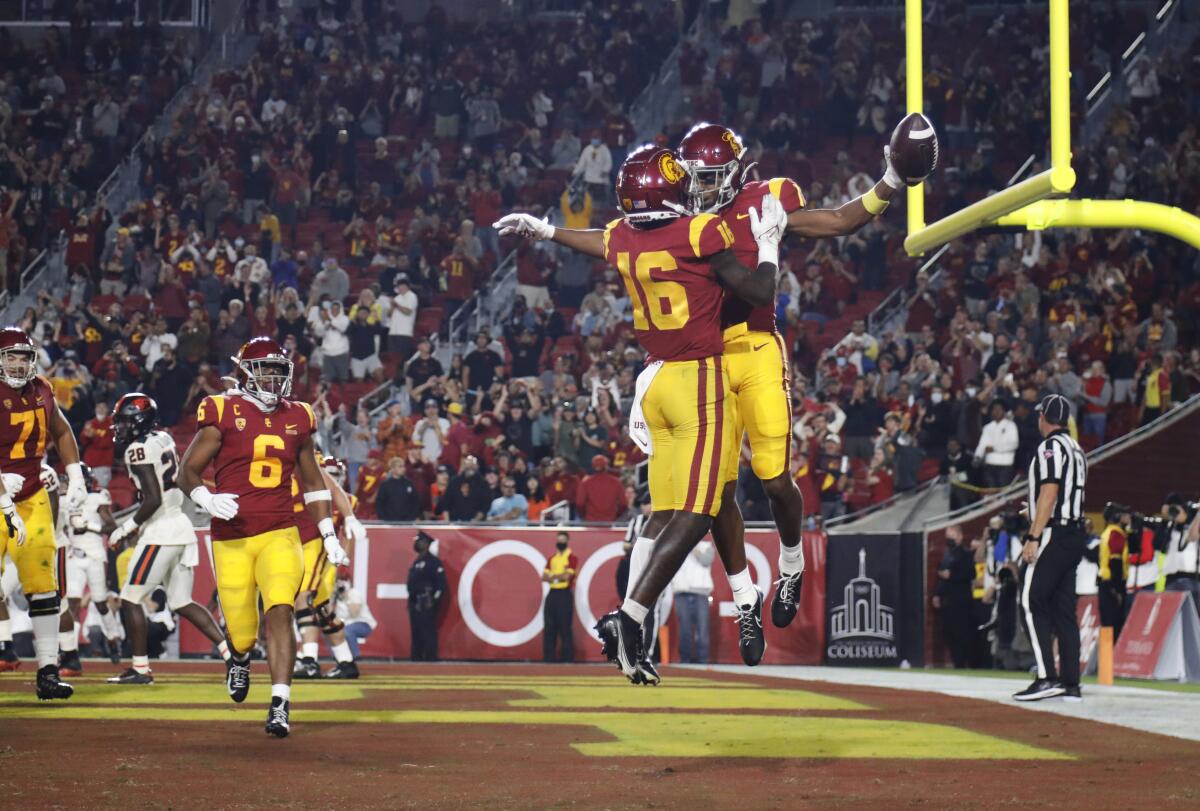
634	530
1059	460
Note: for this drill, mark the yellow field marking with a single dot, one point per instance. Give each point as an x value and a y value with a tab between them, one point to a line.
684	698
650	734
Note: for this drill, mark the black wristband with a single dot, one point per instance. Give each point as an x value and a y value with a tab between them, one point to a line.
1029	538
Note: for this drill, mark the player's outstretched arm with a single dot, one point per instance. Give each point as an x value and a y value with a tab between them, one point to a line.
845	219
588	241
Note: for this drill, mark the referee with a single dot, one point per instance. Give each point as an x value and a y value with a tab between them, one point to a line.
1053	548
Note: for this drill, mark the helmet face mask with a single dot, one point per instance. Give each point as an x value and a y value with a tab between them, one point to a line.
266	379
18	365
713	157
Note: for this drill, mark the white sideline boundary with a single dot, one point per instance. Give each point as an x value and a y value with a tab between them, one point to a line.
1147	710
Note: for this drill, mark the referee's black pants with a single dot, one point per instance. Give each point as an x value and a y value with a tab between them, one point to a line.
1048	603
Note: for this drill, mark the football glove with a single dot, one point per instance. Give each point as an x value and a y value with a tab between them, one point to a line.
526	226
768	228
16	527
218	505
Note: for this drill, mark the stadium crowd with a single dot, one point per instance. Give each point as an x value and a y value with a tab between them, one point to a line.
337	192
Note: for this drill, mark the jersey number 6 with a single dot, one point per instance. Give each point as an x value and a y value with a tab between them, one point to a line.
266	471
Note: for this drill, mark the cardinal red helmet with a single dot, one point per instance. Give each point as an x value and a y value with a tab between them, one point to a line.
18	357
651	185
263	370
714	158
336	469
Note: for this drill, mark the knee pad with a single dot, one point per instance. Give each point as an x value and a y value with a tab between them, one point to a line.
45	604
306	618
328	621
773	462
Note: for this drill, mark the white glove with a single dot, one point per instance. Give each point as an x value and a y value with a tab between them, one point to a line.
77	521
890	176
218	505
13	482
122	532
333	550
16	527
355	531
526	226
76	487
768	229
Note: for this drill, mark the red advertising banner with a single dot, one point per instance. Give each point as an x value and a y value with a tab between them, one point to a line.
1087	612
1144	635
494	609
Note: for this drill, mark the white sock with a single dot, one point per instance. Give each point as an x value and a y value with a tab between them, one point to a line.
791	559
341	652
68	642
643	547
283	691
45	636
636	611
309	650
743	588
141	664
5	631
223	649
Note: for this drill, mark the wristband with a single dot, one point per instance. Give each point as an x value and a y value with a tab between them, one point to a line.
317	495
873	203
325	527
1031	538
768	253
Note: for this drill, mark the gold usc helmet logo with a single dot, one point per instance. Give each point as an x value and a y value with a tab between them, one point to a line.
670	168
734	142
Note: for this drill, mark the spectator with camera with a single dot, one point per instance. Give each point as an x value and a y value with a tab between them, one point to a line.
1181	564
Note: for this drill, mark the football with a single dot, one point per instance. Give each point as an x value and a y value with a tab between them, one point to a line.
914	147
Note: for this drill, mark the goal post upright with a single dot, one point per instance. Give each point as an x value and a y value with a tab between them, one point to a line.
1027	204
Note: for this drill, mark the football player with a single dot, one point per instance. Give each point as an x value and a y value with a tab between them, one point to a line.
29	418
69	664
257	439
314	612
673	268
87	560
167	551
719	183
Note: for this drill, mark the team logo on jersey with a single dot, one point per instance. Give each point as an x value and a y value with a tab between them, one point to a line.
240	424
8	403
670	169
268	421
734	142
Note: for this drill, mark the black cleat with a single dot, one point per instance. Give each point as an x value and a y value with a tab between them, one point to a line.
787	599
69	664
343	670
306	668
1041	688
622	638
237	678
1072	693
647	673
9	661
751	641
131	676
277	718
50	687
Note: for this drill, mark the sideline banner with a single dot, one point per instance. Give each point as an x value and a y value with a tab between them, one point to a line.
494	608
1160	638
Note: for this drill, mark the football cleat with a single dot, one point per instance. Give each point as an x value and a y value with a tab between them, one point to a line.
131	676
69	664
622	638
306	668
647	673
343	670
50	686
1041	688
277	718
237	678
787	599
751	641
9	661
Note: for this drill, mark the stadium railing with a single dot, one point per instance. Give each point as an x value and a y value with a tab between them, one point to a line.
169	13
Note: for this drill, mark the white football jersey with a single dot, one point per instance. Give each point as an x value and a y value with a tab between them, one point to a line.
158	450
61	531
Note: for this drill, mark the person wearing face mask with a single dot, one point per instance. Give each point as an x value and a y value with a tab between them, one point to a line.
558	613
427	588
595	165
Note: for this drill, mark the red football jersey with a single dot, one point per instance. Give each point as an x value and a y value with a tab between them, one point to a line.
676	298
737	218
256	461
24	430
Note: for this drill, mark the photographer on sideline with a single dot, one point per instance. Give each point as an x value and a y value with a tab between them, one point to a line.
1113	560
352	610
1182	563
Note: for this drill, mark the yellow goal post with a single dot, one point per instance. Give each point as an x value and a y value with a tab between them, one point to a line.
1037	202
